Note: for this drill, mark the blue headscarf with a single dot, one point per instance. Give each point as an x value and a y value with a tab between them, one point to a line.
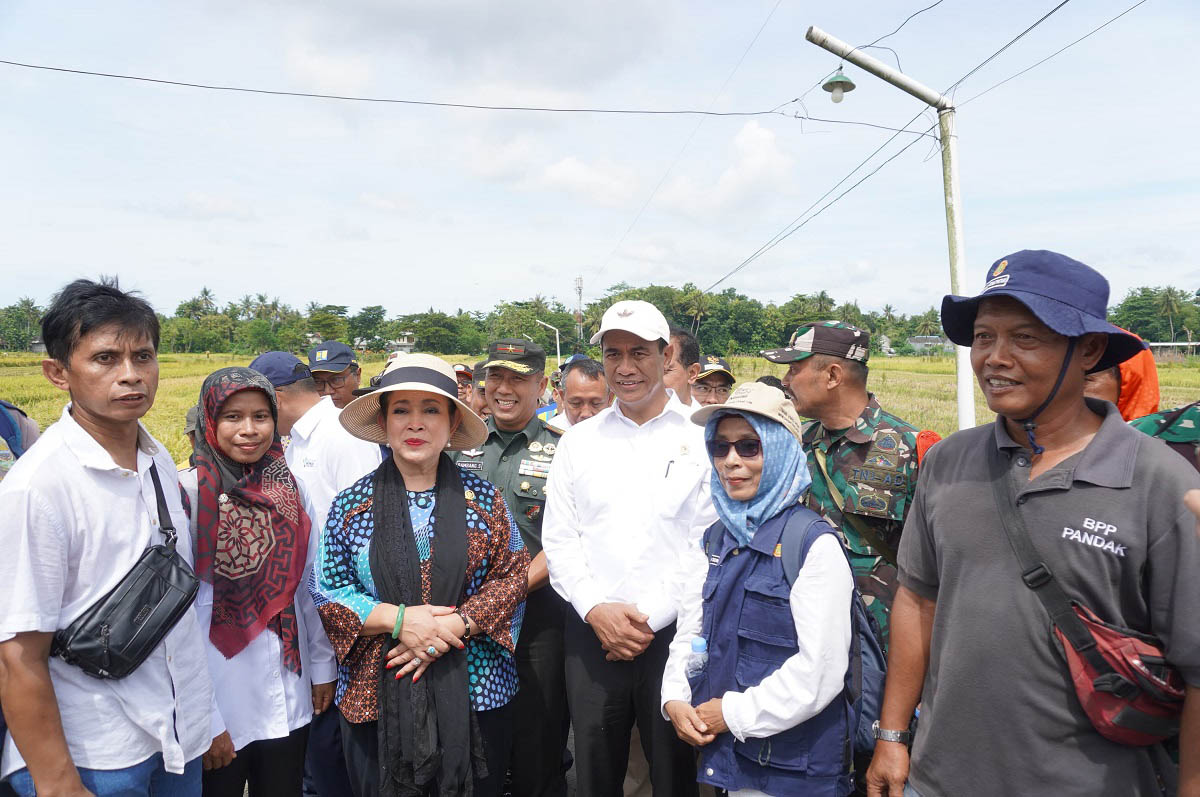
784	476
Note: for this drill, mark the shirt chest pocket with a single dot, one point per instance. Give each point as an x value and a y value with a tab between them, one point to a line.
677	488
766	629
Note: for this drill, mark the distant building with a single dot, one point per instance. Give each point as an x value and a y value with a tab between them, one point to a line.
885	345
37	346
405	343
930	344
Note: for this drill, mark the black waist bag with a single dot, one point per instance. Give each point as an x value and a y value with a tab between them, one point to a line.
116	633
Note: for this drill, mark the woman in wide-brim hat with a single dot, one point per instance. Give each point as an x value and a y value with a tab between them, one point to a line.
420	582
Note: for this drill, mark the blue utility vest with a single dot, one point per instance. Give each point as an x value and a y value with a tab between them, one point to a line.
750	631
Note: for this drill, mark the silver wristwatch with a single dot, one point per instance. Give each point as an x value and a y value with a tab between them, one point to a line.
903	737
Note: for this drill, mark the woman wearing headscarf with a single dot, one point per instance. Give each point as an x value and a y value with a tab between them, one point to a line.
767	709
266	649
420	581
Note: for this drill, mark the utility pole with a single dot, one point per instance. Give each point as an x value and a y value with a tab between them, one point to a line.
579	309
557	345
954	224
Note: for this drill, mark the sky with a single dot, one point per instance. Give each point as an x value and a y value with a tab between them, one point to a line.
1092	154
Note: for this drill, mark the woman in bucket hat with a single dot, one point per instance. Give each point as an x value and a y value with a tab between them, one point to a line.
765	709
420	582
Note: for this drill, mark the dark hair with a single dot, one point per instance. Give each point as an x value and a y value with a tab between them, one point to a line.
586	366
773	381
689	349
84	306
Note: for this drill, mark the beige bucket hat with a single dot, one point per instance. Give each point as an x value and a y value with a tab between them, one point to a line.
422	372
756	397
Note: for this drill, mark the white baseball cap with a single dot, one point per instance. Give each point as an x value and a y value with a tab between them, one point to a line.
640	318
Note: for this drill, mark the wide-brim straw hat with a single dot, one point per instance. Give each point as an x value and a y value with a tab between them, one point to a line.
422	372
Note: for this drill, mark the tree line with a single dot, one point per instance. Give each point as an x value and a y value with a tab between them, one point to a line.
725	323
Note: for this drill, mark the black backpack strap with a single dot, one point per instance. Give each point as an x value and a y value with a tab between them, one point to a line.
164	514
1036	575
800	531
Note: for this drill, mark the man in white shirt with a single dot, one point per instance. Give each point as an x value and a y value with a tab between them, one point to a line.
583	392
79	510
325	459
683	367
628	502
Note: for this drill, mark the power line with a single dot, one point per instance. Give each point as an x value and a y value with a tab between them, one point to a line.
1055	53
905	22
687	142
390	100
796	225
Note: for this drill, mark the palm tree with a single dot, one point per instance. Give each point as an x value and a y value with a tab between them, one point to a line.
696	305
208	300
29	315
889	313
928	323
1169	302
824	303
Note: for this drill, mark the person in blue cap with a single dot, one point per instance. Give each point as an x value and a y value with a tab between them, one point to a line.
1104	510
334	367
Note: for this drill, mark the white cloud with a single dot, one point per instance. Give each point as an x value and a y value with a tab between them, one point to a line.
604	184
387	204
495	158
326	72
758	166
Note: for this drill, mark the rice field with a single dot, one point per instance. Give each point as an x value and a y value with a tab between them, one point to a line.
918	389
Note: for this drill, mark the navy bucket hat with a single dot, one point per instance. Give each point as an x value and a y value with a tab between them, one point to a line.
1069	297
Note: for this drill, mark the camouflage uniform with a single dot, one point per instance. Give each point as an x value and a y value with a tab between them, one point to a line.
1178	428
873	465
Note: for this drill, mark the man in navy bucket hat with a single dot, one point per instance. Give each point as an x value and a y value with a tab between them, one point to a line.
1104	511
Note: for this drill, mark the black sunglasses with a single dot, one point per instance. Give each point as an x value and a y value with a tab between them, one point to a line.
747	449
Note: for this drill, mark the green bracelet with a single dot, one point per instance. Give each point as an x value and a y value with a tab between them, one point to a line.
399	622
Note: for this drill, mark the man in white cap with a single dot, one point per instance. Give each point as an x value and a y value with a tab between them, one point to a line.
628	501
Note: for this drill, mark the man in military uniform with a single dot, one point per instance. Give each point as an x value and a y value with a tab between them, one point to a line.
1178	428
863	460
516	458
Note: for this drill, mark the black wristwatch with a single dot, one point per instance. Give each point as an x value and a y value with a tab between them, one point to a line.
902	737
466	624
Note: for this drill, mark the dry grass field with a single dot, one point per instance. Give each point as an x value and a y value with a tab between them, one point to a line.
918	389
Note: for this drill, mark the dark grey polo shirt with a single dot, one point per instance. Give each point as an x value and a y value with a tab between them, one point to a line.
998	715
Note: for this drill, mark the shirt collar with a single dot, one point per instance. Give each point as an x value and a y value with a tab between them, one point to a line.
1107	461
92	455
673	407
530	429
862	431
306	423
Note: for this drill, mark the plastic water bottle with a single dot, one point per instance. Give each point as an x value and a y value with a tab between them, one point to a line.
698	659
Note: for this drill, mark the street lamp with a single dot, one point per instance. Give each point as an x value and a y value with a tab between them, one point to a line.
838	85
954	225
557	348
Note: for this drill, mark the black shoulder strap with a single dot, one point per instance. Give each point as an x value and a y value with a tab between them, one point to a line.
796	539
164	514
1034	572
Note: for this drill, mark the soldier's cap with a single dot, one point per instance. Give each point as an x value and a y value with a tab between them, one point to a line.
463	373
637	317
192	419
516	354
760	399
834	338
712	364
280	367
331	356
479	370
1068	296
417	372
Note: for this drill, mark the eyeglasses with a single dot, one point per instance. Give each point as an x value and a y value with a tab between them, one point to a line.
703	390
334	382
746	449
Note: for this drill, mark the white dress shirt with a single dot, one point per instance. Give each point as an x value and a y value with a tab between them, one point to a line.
560	421
809	680
75	523
626	508
258	697
326	459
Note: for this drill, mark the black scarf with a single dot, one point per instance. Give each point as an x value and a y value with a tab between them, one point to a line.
427	734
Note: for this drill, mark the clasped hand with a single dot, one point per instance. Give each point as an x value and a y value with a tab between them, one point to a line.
622	630
424	627
697	726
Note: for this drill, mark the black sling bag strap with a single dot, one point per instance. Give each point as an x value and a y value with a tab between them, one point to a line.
116	633
1125	685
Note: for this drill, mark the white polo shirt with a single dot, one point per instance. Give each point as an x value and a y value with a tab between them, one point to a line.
326	459
74	524
257	696
626	508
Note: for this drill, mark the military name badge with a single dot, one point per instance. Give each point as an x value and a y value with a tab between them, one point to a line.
875	477
471	465
531	467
